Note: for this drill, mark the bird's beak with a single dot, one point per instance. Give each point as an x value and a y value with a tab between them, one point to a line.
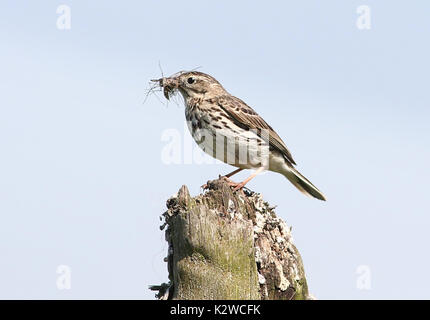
168	85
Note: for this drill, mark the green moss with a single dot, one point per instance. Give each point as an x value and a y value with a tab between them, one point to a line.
301	290
217	259
202	280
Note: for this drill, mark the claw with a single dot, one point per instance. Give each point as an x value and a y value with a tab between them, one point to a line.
205	186
237	186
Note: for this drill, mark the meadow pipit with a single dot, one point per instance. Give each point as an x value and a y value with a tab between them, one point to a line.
229	130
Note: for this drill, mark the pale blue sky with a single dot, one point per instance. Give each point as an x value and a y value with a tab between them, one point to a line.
81	177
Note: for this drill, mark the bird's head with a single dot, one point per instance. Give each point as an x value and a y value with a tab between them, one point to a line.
191	84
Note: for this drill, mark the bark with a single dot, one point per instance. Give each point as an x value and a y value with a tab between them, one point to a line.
225	245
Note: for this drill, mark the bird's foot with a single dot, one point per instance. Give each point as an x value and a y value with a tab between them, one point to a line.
237	186
207	185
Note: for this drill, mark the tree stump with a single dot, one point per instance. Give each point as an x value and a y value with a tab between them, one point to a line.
229	245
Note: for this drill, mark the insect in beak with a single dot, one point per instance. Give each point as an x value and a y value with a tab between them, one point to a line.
168	85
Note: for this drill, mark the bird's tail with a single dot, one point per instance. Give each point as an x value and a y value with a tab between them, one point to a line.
303	184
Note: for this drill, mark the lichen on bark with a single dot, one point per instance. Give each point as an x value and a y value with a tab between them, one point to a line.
229	245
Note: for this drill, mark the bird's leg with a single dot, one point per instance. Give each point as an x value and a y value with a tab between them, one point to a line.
233	173
240	185
227	176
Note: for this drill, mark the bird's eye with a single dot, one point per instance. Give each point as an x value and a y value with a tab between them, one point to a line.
190	80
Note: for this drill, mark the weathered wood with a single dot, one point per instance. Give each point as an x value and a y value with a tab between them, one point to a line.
225	245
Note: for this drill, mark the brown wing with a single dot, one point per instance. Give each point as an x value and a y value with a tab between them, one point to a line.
247	118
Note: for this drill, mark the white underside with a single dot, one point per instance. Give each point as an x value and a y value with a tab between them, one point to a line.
239	149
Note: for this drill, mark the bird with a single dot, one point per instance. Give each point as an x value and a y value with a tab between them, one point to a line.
229	130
